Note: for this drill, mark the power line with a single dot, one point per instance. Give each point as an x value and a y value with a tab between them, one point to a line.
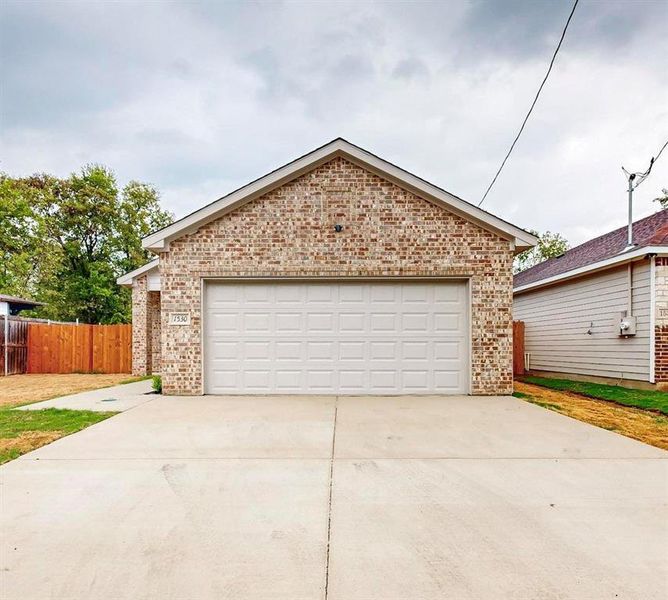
640	177
519	133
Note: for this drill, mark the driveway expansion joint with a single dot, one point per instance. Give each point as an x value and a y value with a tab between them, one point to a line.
329	500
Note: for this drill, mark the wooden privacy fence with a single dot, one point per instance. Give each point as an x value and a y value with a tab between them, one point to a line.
518	347
17	346
70	348
65	348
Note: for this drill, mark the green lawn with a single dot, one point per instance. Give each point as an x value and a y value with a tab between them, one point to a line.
24	430
647	399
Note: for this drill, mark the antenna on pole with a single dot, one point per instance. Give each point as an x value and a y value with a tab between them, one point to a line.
635	179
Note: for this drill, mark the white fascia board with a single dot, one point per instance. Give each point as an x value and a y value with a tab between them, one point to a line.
160	239
128	278
613	261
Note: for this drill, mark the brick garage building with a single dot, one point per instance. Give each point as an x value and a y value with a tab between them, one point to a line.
338	273
573	307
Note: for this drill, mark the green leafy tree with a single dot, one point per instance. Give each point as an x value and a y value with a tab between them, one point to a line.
663	198
79	235
549	245
26	258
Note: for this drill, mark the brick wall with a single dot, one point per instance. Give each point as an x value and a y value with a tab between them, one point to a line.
661	321
146	326
155	328
387	232
140	327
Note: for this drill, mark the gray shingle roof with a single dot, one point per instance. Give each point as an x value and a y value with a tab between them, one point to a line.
650	231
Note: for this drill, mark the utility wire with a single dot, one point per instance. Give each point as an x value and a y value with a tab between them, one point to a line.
640	177
519	133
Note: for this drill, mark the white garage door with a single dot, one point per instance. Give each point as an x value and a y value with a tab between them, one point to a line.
336	338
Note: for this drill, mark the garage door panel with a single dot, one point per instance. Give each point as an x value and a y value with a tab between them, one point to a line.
289	322
383	350
352	350
260	350
415	322
383	322
256	295
352	322
447	323
288	350
448	350
220	322
350	338
351	295
447	380
416	381
448	294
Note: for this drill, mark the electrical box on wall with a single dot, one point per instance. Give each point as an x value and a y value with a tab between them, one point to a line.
626	325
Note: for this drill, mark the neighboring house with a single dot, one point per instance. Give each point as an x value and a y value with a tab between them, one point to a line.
11	305
338	273
573	306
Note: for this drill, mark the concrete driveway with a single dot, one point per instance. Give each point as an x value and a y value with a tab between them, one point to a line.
347	499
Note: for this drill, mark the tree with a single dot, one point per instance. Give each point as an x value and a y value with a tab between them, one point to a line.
663	199
549	245
77	236
26	258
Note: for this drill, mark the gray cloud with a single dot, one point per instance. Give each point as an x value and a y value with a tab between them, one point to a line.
199	98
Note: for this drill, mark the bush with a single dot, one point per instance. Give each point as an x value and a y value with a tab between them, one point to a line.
157	384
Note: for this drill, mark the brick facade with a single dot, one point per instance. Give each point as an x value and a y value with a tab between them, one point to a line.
661	322
387	232
155	329
146	326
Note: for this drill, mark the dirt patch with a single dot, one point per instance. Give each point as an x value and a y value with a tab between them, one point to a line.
25	389
28	441
642	425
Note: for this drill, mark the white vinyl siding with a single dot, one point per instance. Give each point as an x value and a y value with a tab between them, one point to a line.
557	319
336	338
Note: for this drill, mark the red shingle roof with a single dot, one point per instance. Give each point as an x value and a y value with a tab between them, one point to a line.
650	231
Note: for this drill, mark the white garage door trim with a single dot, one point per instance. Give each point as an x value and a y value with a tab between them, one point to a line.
401	338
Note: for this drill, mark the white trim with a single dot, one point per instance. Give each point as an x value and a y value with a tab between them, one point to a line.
619	259
128	278
652	317
202	287
339	147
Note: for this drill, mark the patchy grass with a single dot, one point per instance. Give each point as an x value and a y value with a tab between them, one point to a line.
645	399
643	425
135	379
17	390
24	430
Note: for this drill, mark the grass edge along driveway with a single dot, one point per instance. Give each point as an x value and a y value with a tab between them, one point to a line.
24	430
19	390
648	425
645	399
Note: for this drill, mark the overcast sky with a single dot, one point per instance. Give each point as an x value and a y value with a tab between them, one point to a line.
199	98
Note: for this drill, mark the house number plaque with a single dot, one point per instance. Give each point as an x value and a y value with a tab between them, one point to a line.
179	319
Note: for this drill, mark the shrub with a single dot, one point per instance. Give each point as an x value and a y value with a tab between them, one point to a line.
157	384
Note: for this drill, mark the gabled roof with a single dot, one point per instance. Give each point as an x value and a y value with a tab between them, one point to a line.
338	148
128	277
650	232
